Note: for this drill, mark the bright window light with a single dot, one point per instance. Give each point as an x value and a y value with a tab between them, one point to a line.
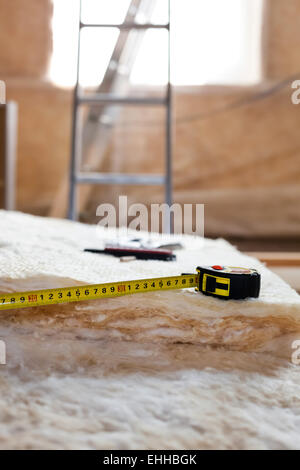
212	42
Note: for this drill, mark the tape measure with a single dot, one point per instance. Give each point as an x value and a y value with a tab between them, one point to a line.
227	282
217	281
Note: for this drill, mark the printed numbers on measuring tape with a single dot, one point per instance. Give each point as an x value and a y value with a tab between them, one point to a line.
94	291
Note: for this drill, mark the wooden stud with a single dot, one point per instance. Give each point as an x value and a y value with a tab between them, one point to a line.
287	259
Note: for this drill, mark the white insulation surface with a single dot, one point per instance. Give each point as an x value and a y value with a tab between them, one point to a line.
155	370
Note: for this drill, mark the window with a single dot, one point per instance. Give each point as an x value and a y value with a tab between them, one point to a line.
213	42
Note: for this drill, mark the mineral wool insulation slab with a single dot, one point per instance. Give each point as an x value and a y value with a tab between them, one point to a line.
170	369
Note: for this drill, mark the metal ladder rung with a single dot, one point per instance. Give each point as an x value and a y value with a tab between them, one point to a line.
126	26
119	178
100	98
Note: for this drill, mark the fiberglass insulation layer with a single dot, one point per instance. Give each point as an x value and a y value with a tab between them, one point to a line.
155	370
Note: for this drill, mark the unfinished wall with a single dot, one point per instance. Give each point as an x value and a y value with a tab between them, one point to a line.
44	110
236	150
25	37
282	38
44	136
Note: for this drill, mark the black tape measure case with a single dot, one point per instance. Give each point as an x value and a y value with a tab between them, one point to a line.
226	282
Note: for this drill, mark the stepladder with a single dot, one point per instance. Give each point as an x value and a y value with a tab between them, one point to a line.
105	104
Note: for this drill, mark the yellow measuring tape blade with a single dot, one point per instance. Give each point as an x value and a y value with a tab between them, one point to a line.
95	291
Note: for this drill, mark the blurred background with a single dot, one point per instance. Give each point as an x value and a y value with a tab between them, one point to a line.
235	131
